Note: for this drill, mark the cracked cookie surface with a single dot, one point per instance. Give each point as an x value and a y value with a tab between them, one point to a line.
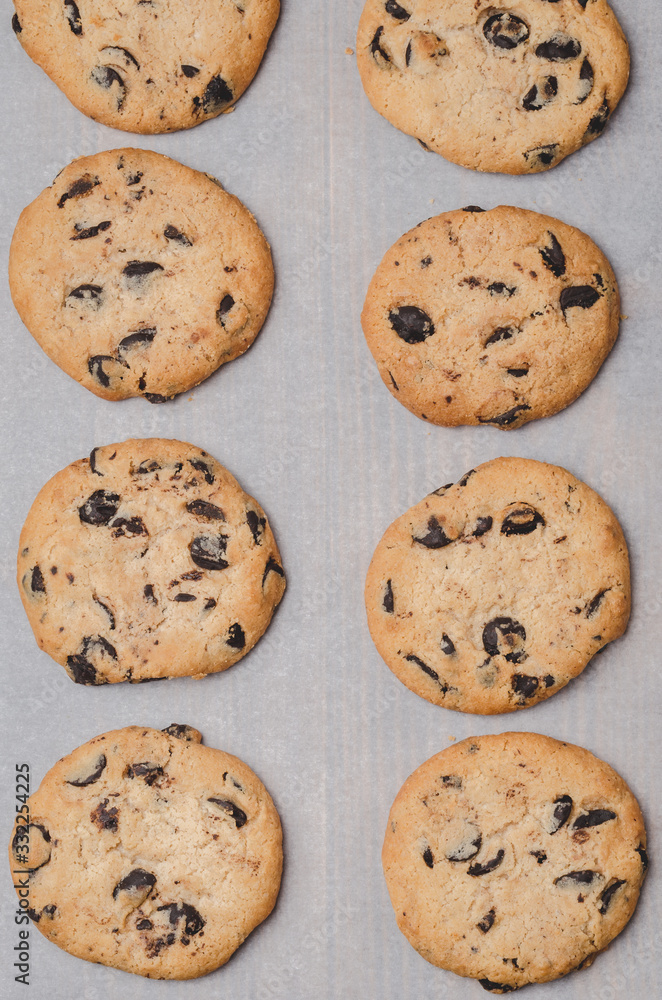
492	85
147	66
146	561
139	276
150	853
492	593
495	317
513	859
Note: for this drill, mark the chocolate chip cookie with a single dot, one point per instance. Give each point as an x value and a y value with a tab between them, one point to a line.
149	853
492	85
145	561
492	593
139	276
495	317
514	859
151	65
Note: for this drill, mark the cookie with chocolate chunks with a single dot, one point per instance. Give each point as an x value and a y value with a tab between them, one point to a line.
489	868
492	593
496	317
493	85
147	560
149	853
139	276
147	65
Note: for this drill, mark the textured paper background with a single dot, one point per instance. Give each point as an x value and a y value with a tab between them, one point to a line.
305	424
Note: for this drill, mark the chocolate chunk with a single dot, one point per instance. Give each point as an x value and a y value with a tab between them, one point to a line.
144	925
94	775
641	851
91	231
150	772
473	208
376	48
598	122
31	846
607	894
594	817
507	418
207	511
447	645
272	567
540	856
499	288
95	366
466	477
501	333
138	883
578	296
504	634
451	780
426	261
387	602
585	81
155	397
436	537
574	879
106	819
553	256
424	667
148	593
237	814
137	269
538	96
224	308
396	11
82	671
139	338
190	72
124	526
483	525
106	77
522	521
468	847
91	294
217	96
185	598
524	685
559	48
37	585
517	372
595	603
202	467
183	732
236	637
411	324
208	551
428	857
488	985
171	233
488	866
146	466
209	604
79	188
562	810
549	680
485	923
16	24
543	155
99	508
257	525
505	31
106	609
115	51
193	922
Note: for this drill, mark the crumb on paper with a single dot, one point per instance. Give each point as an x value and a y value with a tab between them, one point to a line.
451	739
623	316
432	201
349	52
190	399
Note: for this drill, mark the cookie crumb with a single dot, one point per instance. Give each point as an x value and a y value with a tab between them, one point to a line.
349	52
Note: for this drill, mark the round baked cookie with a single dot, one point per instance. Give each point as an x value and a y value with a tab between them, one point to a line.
147	560
509	87
147	65
513	859
493	593
139	276
149	853
495	317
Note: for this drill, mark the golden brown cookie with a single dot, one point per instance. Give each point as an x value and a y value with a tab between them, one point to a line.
149	853
147	560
